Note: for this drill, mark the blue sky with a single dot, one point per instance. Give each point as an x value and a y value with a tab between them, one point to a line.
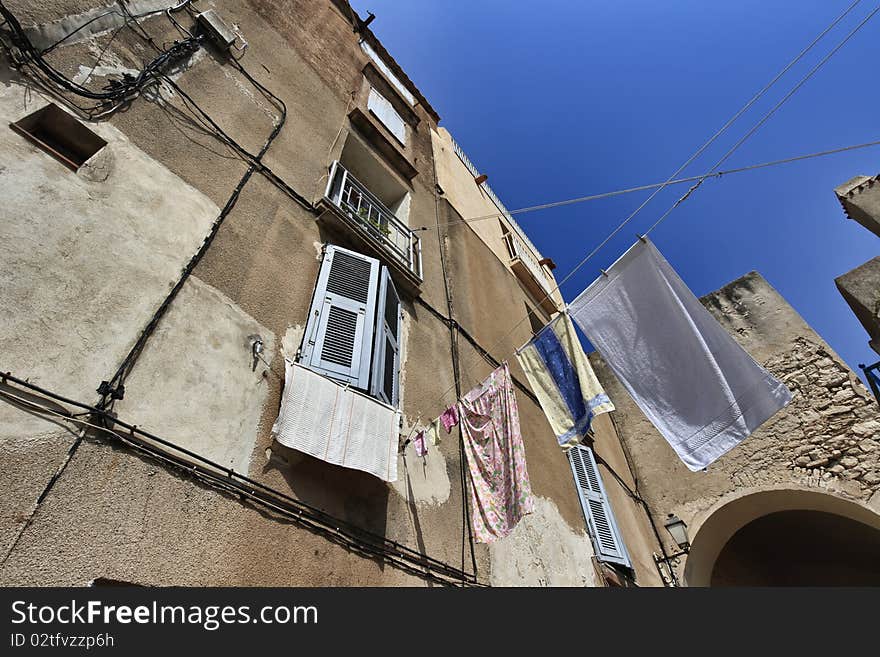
561	99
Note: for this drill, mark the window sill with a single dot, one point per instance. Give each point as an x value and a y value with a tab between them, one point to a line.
375	135
536	290
378	80
339	221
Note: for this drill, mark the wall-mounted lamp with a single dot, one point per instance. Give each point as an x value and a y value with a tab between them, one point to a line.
481	179
677	528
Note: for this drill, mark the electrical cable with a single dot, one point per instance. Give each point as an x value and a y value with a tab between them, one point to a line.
116	90
768	115
632	215
127	364
116	383
721	130
127	16
131	85
215	474
464	473
640	188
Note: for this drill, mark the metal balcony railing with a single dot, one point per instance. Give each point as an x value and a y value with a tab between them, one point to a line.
872	374
518	250
371	216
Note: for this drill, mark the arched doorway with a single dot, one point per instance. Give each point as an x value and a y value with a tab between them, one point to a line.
786	537
798	548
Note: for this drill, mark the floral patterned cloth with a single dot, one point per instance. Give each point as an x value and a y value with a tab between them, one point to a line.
500	491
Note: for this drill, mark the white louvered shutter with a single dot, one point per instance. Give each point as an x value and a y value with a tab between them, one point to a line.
385	112
597	511
339	333
386	353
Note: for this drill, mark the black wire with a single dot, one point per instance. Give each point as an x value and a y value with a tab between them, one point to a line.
221	134
128	16
299	511
489	358
119	91
122	92
127	364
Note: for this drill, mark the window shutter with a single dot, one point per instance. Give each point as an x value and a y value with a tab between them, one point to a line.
339	332
597	511
386	353
385	112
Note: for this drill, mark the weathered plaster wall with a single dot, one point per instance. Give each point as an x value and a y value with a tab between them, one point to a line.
824	439
114	514
464	194
470	201
86	257
197	380
74	247
543	551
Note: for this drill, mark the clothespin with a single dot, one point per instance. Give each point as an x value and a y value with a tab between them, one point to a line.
642	238
604	273
408	438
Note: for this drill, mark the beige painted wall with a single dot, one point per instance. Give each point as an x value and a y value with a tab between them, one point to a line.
114	514
471	201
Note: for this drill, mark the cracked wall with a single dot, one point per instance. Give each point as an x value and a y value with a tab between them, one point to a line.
115	514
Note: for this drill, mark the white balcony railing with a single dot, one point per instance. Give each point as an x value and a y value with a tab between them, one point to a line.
520	248
371	216
519	251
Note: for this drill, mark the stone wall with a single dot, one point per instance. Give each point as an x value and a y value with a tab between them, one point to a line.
829	431
825	441
860	198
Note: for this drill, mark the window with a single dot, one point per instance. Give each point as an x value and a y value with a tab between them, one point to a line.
383	110
60	135
354	325
393	79
597	511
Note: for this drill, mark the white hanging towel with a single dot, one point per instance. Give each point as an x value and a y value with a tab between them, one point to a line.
337	424
693	381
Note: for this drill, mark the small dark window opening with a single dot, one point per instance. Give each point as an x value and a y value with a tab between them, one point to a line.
107	581
60	135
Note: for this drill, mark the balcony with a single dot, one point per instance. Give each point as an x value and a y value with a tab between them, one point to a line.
531	274
374	225
872	374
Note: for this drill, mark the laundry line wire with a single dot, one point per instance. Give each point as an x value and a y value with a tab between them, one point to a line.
768	115
641	188
218	476
751	132
708	142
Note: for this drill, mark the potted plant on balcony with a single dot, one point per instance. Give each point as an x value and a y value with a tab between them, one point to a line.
375	226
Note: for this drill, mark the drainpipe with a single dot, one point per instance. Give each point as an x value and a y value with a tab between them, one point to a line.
456	371
629	464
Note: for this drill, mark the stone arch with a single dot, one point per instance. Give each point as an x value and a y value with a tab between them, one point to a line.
720	524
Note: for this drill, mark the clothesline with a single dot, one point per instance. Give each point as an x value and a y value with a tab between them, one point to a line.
767	115
641	188
697	368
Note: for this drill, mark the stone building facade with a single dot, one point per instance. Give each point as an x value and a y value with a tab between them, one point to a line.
815	465
860	199
151	240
